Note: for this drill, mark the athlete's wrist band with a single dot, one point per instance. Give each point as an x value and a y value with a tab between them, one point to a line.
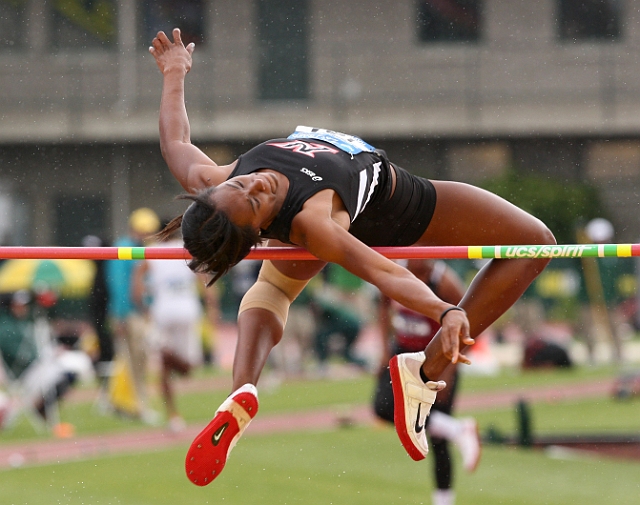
449	310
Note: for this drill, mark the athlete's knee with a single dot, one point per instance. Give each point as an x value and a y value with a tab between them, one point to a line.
547	236
273	291
541	234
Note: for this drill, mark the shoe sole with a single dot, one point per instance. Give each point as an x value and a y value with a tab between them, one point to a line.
399	412
209	451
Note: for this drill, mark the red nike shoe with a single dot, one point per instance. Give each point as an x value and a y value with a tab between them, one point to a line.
210	449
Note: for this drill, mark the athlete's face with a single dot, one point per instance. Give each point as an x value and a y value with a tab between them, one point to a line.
249	200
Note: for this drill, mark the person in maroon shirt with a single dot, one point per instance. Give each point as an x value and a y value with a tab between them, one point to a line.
406	331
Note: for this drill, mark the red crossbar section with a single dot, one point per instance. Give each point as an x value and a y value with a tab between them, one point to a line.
270	253
416	252
295	253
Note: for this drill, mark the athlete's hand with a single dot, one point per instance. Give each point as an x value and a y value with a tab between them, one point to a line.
454	335
171	56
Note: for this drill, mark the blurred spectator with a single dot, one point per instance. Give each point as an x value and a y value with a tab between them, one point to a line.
17	341
294	352
210	322
170	290
40	372
604	294
128	325
404	330
336	306
98	301
240	278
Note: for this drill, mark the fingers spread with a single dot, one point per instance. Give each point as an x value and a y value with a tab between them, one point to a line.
156	45
450	348
177	38
463	359
162	39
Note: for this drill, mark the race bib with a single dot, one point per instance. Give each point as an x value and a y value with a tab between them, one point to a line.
347	143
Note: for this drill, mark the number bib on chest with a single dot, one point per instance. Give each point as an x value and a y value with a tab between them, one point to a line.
347	143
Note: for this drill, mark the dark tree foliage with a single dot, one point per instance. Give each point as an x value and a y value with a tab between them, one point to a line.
562	206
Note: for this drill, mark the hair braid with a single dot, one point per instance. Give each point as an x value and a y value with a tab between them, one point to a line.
215	243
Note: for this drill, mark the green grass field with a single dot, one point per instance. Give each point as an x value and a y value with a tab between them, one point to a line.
354	466
344	466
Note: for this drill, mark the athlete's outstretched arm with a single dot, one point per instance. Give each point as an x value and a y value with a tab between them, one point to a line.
330	242
193	169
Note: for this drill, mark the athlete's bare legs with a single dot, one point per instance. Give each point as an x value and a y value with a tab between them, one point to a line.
467	215
259	330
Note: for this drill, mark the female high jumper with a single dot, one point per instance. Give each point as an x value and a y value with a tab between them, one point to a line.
334	195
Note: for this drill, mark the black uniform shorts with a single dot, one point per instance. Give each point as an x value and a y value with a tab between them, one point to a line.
401	220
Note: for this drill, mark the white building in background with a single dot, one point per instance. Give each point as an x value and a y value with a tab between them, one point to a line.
457	89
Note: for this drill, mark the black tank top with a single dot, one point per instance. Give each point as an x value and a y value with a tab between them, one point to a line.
312	165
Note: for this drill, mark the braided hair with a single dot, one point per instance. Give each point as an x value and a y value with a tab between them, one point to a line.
215	243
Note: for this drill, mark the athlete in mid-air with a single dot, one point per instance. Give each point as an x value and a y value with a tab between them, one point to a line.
334	195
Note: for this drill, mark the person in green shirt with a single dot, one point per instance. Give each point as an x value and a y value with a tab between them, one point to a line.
17	341
336	315
42	379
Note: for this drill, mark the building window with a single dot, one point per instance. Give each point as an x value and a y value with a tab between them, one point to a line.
585	20
84	24
283	72
165	15
78	216
12	22
448	20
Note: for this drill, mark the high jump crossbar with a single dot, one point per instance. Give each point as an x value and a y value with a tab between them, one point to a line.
293	253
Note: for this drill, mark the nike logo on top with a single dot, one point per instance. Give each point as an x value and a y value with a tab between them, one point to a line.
419	428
